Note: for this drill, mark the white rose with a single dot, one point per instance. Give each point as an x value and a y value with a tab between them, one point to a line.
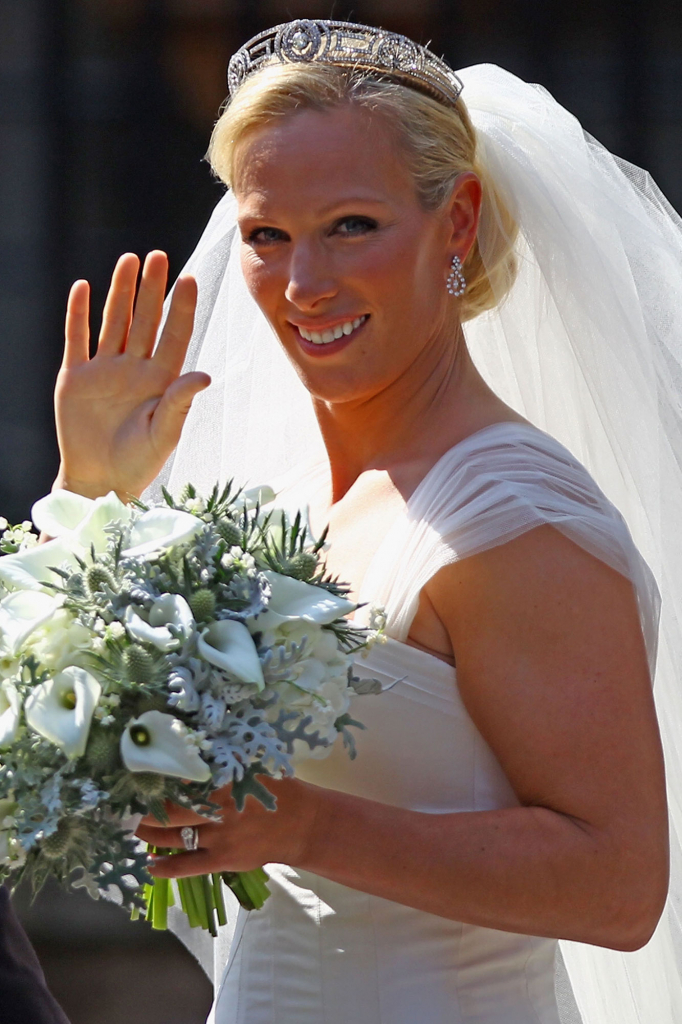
168	610
157	742
59	641
317	695
61	709
10	713
21	613
228	645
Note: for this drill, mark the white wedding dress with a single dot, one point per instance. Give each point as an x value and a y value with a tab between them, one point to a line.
321	953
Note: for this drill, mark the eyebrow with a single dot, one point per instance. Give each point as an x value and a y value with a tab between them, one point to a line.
349	201
326	210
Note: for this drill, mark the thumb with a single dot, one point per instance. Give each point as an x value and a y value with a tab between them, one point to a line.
171	412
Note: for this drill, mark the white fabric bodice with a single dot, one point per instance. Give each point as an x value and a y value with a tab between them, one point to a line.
322	953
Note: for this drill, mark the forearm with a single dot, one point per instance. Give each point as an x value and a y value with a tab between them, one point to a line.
527	870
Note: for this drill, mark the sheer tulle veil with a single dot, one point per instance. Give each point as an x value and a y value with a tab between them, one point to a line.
588	346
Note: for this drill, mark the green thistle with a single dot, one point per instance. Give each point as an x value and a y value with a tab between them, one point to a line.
139	664
229	532
97	578
202	604
153	702
302	566
102	752
149	785
59	843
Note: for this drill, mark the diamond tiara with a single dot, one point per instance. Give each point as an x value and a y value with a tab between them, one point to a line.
345	44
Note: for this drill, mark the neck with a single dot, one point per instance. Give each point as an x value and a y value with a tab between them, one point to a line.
436	402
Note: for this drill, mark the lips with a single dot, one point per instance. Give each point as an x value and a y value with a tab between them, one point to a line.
325	337
331	339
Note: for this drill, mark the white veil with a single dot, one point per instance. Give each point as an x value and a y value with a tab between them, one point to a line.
588	346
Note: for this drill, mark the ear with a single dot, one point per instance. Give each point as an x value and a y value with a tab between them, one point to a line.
463	211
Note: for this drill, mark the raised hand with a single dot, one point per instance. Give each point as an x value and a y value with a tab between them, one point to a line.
120	414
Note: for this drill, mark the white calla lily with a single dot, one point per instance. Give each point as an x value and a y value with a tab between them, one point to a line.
20	614
171	609
60	512
228	645
10	713
159	529
262	495
104	511
79	521
31	569
61	709
293	599
157	742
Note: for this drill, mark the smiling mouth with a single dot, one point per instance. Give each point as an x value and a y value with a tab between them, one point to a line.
333	333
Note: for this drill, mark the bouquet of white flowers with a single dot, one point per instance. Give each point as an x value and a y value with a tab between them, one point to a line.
158	653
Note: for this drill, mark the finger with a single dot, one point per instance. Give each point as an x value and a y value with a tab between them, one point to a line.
177	330
77	328
167	837
171	412
149	305
118	309
183	865
177	816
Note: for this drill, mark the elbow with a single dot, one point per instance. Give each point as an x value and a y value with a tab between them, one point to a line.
636	926
628	916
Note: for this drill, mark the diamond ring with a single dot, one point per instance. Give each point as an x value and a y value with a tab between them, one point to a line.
190	837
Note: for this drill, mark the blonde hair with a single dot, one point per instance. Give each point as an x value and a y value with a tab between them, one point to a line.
439	143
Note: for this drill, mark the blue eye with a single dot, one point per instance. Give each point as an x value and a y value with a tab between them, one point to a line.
265	236
355	225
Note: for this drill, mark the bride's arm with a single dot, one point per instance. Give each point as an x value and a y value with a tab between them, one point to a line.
552	668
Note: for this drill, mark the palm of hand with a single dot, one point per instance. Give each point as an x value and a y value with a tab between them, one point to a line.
105	422
120	414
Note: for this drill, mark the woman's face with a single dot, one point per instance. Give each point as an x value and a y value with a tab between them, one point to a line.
341	256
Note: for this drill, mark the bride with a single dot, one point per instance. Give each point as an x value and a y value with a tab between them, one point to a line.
456	281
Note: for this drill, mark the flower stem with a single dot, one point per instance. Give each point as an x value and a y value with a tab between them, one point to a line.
160	904
249	887
216	881
201	897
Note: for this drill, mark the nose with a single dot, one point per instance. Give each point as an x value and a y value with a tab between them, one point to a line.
311	280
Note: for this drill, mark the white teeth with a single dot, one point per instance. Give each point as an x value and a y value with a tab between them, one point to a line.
324	337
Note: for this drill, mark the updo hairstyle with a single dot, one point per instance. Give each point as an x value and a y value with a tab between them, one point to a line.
439	143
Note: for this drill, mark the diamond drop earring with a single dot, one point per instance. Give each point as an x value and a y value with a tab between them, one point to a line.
456	283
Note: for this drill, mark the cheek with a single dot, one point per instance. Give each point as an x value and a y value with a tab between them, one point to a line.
252	269
263	283
407	284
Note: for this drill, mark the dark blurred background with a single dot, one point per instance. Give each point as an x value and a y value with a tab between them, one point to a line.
106	107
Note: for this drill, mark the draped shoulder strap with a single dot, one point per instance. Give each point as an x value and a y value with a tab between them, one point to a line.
493	486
